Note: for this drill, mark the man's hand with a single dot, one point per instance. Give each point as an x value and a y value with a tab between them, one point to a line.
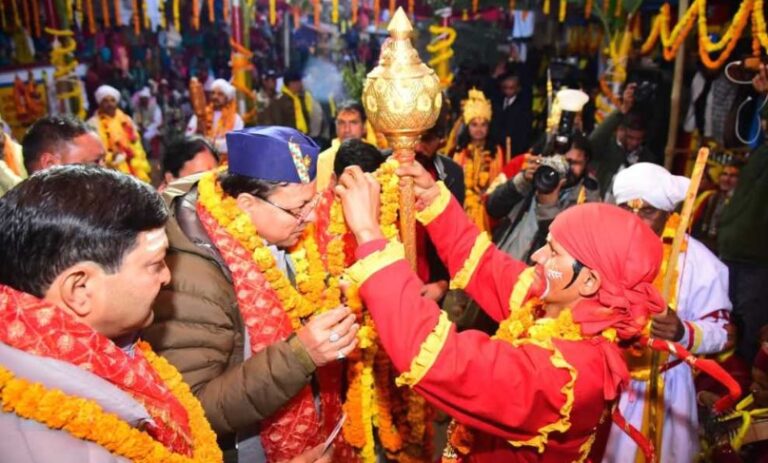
531	163
549	199
435	291
760	81
329	336
668	326
424	186
628	98
314	455
360	199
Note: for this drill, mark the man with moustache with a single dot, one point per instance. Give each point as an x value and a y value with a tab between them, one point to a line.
539	388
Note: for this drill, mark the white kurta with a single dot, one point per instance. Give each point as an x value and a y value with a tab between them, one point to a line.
220	143
702	293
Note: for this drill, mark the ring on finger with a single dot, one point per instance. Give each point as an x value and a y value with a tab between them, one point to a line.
334	337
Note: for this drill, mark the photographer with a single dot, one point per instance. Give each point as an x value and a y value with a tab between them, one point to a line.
530	201
618	142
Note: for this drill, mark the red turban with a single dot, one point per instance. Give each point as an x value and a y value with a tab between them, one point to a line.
626	253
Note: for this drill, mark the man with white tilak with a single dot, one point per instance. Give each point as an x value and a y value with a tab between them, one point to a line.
698	321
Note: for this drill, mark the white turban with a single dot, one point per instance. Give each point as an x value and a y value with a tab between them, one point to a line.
651	183
105	91
144	93
225	87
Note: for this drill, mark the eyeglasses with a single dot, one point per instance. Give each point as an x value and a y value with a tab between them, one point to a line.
300	213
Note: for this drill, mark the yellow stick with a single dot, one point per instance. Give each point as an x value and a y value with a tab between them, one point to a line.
669	281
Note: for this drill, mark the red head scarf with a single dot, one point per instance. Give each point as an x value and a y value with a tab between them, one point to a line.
626	253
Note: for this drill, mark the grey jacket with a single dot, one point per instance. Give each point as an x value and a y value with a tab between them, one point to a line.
26	441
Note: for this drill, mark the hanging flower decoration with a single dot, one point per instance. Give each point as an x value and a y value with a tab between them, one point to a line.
697	15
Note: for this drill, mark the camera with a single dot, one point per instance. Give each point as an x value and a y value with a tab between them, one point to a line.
645	92
562	139
555	167
548	175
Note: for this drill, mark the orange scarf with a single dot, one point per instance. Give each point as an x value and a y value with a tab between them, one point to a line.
40	328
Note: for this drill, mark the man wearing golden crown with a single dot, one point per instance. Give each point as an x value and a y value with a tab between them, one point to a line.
480	158
119	135
76	385
250	318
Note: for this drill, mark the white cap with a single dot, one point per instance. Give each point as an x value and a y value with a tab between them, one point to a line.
105	91
651	183
225	87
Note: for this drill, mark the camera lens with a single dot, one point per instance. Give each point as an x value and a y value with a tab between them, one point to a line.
546	179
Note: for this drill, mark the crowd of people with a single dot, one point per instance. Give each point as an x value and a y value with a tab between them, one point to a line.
179	303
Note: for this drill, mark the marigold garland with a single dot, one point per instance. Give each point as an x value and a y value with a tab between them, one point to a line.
105	13
224	209
372	399
127	143
696	14
525	326
86	420
135	17
118	18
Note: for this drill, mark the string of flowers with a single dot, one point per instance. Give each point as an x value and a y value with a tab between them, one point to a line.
135	17
758	21
696	15
35	17
372	398
118	18
85	419
176	16
224	209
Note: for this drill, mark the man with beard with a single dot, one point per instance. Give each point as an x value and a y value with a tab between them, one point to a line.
120	135
221	116
526	213
619	142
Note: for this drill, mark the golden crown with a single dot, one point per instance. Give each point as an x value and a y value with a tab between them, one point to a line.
476	105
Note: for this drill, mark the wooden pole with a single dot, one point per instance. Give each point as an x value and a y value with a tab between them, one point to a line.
677	85
668	283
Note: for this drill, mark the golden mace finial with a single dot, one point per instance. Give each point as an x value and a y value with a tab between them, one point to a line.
399	26
402	99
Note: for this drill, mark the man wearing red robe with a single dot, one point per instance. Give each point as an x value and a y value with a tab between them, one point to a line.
539	389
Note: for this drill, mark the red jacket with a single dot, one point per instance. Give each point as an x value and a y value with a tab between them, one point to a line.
509	394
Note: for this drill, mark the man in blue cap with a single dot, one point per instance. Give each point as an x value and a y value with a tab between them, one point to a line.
233	320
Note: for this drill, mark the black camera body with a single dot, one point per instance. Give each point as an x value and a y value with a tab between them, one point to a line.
550	172
645	92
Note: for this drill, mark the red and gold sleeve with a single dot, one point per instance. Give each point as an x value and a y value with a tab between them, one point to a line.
517	393
474	263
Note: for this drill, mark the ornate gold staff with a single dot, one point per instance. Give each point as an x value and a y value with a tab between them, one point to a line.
402	99
669	282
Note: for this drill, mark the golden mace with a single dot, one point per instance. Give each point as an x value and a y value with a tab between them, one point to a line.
402	99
